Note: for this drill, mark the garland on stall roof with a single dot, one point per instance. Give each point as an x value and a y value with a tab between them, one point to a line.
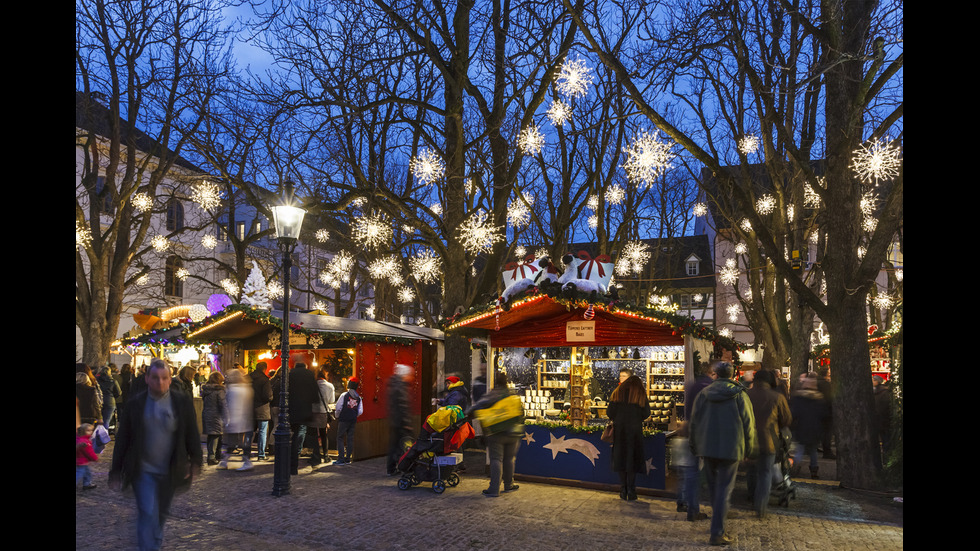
582	429
682	325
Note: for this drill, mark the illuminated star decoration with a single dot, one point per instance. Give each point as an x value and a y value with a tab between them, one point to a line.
530	140
615	194
207	195
230	287
741	248
700	209
322	235
559	112
372	231
632	258
182	274
726	332
748	144
274	290
427	167
811	199
478	234
209	242
876	161
518	213
436	209
765	204
883	301
385	267
406	294
647	158
142	202
159	243
425	266
733	311
143	279
574	78
83	235
729	274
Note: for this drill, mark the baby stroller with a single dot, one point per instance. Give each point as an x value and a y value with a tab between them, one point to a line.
783	488
432	457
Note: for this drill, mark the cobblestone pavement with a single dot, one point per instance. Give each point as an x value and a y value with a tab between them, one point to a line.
357	507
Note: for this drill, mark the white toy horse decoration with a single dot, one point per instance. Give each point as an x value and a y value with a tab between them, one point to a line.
587	274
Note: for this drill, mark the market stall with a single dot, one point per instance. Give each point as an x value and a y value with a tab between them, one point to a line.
564	357
345	347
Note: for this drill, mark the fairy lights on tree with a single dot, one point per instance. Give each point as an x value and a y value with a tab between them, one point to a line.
142	202
765	204
574	78
160	243
559	112
478	234
427	167
207	195
322	235
633	258
209	242
647	157
700	209
615	194
878	160
83	235
406	294
372	231
530	140
425	266
748	144
518	213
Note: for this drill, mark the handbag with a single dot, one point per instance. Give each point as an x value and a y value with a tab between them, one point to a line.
607	433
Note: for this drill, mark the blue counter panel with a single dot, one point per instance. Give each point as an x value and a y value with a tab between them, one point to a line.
561	453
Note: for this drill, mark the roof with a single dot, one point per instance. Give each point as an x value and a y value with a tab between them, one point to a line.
91	115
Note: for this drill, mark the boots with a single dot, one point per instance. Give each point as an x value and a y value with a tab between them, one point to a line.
813	473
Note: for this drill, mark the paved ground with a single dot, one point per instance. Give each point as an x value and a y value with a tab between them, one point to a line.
357	507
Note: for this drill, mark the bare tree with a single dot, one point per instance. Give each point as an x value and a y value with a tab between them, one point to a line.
139	68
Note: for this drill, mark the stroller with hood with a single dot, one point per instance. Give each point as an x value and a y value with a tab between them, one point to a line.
431	457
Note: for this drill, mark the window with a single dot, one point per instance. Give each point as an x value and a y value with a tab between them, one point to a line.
257	227
108	206
240	231
693	265
175	215
173	285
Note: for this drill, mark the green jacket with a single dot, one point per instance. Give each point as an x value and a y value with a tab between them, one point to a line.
722	424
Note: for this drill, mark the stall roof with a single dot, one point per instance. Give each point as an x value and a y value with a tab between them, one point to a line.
236	325
541	319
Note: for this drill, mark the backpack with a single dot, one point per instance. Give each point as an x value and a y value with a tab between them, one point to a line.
502	416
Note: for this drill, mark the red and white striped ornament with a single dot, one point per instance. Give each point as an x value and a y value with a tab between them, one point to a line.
589	313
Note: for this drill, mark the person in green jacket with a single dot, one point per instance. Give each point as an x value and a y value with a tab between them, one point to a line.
722	434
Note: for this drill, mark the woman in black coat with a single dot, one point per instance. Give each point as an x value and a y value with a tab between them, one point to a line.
628	407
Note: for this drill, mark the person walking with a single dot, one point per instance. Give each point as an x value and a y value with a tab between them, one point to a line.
88	395
399	414
772	415
692	487
722	434
810	411
326	396
157	451
628	407
262	410
349	407
826	388
214	411
239	422
111	392
302	395
84	454
503	436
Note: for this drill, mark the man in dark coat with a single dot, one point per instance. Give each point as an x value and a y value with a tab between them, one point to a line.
302	393
772	415
157	451
722	434
262	413
399	414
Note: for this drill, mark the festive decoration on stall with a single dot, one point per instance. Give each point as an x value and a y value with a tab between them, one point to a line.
589	313
218	302
254	293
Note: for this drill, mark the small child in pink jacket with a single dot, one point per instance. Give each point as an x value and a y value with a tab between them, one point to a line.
84	453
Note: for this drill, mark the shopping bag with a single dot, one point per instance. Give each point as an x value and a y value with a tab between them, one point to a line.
607	433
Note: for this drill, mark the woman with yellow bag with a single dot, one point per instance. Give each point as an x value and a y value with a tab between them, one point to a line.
501	416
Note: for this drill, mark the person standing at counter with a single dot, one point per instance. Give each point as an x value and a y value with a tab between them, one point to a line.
628	407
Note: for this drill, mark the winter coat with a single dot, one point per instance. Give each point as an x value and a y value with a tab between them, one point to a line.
84	452
722	423
457	396
516	427
109	388
328	396
89	404
810	413
691	391
302	394
627	447
261	395
399	404
238	398
772	414
215	408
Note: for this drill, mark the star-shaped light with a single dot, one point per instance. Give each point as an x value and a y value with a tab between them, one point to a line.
427	167
83	235
700	209
372	231
207	195
406	294
647	157
209	242
425	266
322	235
559	112
574	78
748	144
478	234
877	160
142	202
530	140
765	204
160	243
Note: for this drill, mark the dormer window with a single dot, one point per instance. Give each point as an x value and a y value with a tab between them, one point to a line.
693	265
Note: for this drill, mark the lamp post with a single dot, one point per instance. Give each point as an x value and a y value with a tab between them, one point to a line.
289	221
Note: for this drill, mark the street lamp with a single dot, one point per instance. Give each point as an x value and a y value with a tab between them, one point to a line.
289	221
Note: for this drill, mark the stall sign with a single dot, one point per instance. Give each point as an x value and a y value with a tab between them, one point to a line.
580	331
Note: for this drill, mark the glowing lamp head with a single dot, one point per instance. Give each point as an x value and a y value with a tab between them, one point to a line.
288	220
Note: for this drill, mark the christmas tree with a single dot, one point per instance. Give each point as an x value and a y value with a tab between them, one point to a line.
254	293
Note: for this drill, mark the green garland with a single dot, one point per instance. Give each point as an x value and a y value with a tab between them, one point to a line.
588	429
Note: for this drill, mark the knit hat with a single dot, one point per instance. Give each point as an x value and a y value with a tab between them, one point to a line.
353	383
452	379
402	370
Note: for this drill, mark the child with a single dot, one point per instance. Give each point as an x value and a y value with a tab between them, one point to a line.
83	454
